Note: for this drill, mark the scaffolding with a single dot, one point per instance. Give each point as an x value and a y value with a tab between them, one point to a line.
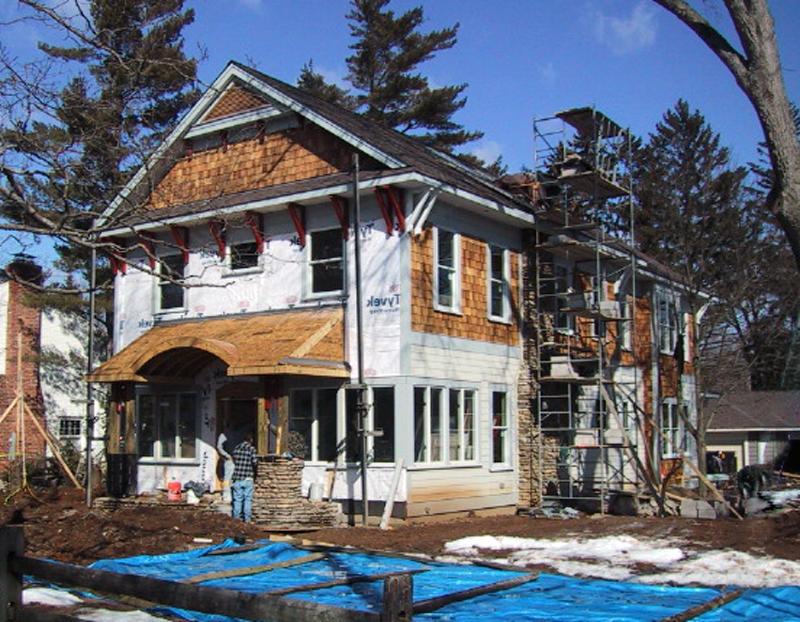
589	394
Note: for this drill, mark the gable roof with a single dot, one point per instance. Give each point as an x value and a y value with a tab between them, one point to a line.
756	410
389	147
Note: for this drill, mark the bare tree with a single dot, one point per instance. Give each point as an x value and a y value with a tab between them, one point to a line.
757	70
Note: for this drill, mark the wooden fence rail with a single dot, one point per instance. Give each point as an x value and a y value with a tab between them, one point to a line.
397	592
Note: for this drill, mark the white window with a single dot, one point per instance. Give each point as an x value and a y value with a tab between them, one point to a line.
243	256
625	324
380	419
671	429
461	425
555	291
593	297
326	261
500	429
669	321
167	425
69	427
447	275
312	416
498	289
428	432
171	293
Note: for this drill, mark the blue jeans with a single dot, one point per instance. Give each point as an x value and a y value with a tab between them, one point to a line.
242	491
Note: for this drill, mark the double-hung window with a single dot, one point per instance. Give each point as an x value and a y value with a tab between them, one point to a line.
625	324
498	289
313	418
171	293
428	424
326	261
501	446
379	402
669	322
671	436
167	425
69	427
447	273
461	423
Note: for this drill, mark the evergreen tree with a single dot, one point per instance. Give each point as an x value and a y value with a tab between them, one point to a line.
126	80
383	68
697	215
314	82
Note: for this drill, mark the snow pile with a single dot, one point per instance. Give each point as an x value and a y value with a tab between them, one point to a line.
781	497
49	597
730	568
617	557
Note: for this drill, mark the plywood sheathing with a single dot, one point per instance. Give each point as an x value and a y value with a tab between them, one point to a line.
472	322
280	158
234	101
251	345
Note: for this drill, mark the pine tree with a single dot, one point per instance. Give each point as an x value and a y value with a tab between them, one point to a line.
126	81
314	82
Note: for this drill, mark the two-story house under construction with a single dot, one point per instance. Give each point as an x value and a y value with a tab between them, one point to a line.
235	305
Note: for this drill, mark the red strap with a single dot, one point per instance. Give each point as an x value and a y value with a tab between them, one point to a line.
395	198
149	248
216	229
298	215
117	264
387	216
256	224
181	237
342	213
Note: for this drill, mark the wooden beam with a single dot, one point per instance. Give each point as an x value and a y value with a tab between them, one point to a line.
711	487
432	604
193	597
256	223
395	198
298	215
352	580
398	598
315	337
181	237
342	214
130	420
385	212
244	572
714	603
12	544
217	230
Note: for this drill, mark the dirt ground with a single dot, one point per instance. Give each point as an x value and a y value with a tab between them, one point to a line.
58	525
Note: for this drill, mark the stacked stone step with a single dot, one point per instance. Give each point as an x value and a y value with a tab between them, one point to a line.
278	501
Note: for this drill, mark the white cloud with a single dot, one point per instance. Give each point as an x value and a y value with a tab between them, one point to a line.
547	73
626	34
488	151
254	5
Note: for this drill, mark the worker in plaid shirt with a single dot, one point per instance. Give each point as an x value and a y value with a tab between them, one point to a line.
244	470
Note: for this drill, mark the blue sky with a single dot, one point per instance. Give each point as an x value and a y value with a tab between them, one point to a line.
521	59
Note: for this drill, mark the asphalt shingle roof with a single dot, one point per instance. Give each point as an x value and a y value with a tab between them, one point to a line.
753	410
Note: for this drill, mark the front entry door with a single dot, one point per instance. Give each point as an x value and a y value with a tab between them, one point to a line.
236	418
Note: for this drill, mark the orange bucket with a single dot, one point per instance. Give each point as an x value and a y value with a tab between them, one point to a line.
174	491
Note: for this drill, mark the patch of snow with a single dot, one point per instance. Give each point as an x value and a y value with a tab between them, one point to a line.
781	497
620	550
730	568
104	615
48	596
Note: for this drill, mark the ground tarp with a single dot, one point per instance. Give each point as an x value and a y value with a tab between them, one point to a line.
550	597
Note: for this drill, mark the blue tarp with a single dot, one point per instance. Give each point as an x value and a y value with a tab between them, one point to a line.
550	597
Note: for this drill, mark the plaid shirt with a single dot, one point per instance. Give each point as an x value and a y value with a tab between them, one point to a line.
244	461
